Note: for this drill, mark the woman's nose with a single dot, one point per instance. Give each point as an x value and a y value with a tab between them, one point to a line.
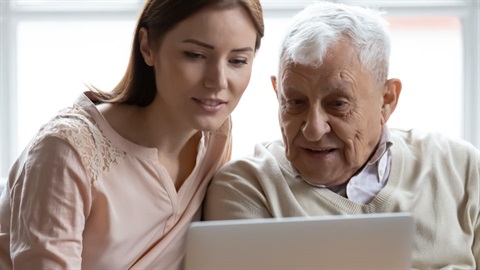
215	77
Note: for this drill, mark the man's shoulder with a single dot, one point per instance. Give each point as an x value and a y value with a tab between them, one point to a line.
429	141
265	154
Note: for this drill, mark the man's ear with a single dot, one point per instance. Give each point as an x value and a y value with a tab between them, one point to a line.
273	79
391	93
145	46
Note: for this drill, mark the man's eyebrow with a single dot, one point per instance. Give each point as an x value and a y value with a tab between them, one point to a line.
344	87
211	47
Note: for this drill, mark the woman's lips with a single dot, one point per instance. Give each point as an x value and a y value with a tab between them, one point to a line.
210	105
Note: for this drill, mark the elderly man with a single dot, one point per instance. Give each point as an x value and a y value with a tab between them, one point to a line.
338	156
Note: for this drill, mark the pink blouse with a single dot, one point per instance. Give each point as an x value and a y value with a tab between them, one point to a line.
82	196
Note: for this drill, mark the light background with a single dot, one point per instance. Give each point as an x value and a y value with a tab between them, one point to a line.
54	55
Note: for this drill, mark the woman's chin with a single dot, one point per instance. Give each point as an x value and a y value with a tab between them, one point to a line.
211	125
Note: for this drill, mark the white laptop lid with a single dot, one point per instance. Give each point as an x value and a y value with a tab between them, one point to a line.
368	241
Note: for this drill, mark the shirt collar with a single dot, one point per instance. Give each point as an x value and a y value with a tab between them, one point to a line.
384	144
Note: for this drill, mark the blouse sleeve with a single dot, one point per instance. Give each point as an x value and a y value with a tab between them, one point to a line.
50	201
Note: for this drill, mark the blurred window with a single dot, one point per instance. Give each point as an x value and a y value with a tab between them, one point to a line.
51	49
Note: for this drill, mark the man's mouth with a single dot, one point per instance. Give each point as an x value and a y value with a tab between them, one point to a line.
320	150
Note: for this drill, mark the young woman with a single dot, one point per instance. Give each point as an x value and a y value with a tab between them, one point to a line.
115	180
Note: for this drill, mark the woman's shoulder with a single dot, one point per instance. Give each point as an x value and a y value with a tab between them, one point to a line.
73	125
77	128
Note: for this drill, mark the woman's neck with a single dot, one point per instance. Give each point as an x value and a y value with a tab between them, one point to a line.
177	146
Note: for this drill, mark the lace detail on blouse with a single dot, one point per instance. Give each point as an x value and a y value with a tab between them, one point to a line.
78	128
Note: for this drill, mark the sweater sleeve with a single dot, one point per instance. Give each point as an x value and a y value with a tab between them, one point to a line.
476	242
234	194
50	200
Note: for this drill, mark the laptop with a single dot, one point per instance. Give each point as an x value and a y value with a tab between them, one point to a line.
369	241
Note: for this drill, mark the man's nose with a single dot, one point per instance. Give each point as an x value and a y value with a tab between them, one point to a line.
215	76
316	124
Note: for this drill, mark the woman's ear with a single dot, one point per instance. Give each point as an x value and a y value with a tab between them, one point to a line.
145	46
392	89
273	79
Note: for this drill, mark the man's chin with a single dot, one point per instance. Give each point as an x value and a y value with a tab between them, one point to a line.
318	179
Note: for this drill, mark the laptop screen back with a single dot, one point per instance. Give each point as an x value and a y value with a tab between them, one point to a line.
343	242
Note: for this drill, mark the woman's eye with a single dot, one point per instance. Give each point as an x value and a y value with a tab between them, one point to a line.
239	62
193	55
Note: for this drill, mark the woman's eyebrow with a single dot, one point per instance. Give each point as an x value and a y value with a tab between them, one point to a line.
200	43
246	49
211	47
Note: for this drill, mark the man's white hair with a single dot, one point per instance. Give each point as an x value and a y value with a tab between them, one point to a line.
319	26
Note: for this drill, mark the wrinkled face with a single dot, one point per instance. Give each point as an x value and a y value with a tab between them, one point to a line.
202	67
330	116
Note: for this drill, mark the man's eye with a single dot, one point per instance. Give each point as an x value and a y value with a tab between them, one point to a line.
339	104
295	102
193	55
339	107
294	106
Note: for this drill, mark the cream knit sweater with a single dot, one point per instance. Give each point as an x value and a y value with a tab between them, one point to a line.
435	178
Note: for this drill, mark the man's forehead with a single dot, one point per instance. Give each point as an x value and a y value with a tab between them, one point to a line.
310	74
293	70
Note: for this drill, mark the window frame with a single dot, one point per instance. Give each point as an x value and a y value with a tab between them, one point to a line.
12	13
